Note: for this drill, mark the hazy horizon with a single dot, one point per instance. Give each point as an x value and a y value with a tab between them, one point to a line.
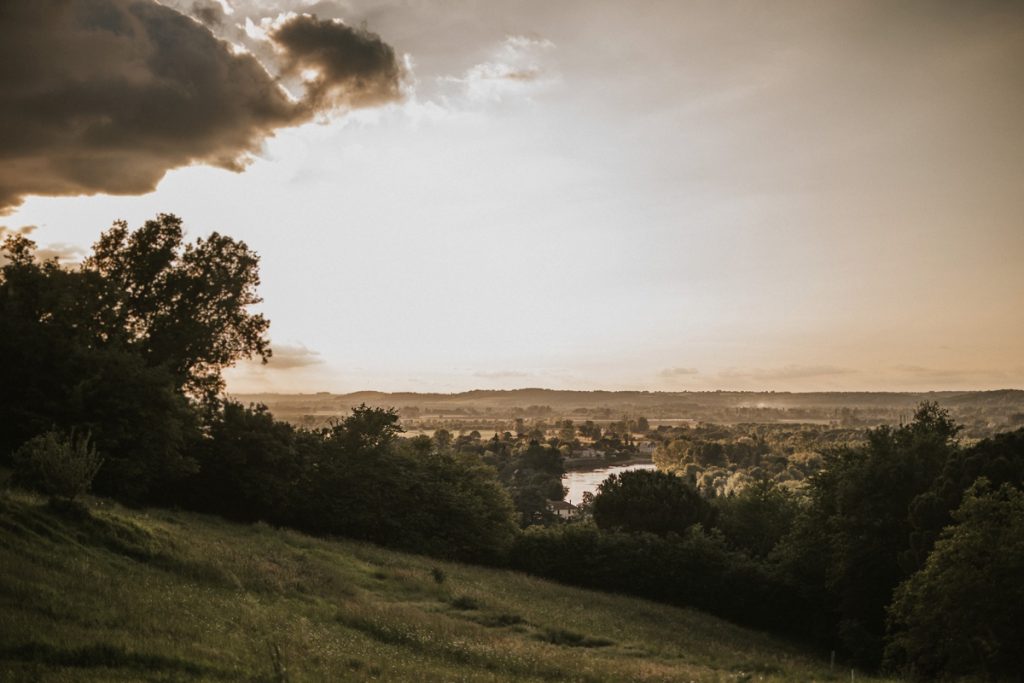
662	196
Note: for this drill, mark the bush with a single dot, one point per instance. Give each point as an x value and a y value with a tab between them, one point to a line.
695	569
59	466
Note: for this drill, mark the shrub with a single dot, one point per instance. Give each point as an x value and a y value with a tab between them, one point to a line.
60	466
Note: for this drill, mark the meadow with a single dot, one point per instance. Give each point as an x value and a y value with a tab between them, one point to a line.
103	592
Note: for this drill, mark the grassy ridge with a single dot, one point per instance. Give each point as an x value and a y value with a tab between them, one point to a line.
117	594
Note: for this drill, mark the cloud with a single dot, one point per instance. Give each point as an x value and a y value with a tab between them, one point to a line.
210	13
501	374
24	230
514	67
287	356
349	67
669	373
787	372
64	253
918	375
108	95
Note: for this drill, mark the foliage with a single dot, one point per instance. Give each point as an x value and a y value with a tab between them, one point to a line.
758	517
646	500
356	479
248	465
181	306
963	613
531	472
695	569
999	459
859	520
359	481
721	459
59	466
118	346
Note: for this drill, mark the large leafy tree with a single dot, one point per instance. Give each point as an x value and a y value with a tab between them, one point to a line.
119	345
182	306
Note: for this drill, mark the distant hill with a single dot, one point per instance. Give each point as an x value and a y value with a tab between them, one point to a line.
128	595
982	412
563	398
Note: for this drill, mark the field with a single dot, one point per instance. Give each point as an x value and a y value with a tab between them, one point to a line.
115	594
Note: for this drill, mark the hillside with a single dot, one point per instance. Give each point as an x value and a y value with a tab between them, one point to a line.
119	594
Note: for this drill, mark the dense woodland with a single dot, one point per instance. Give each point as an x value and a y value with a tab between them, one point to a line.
899	546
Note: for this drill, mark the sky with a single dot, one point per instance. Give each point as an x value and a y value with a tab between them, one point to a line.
792	196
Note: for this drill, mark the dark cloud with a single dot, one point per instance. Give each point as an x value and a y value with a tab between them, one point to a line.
210	13
353	67
108	95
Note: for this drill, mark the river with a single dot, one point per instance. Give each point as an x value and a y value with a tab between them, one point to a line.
579	482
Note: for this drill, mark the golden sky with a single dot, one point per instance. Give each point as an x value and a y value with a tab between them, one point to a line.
644	195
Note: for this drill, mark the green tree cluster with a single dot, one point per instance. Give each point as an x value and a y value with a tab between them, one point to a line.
962	614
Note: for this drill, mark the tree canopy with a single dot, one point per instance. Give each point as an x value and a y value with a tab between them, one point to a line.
185	307
120	345
963	613
643	500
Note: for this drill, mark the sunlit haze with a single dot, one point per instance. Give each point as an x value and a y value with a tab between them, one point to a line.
650	195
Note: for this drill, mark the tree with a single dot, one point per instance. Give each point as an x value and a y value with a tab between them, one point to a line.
181	306
861	501
756	519
999	459
366	429
963	613
359	480
443	438
249	465
652	501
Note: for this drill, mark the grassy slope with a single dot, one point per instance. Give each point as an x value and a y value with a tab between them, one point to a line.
163	595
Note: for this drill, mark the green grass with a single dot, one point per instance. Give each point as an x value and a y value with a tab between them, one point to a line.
123	595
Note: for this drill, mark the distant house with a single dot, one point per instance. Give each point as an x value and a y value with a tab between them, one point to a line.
562	509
